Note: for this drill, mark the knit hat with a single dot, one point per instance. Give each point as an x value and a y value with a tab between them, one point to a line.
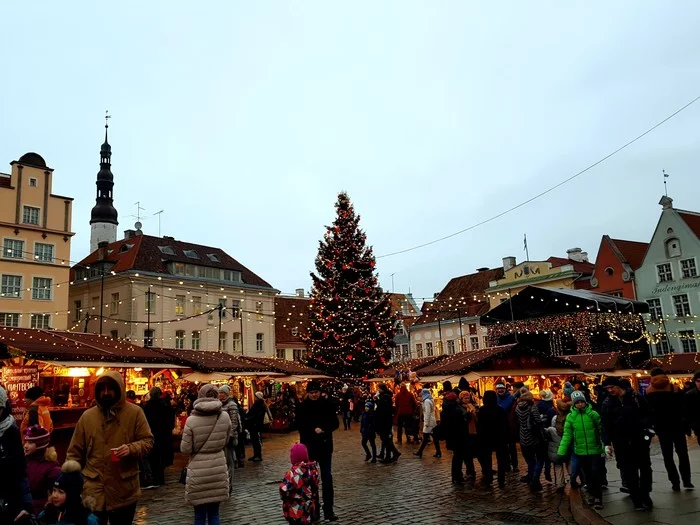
298	454
3	397
696	375
500	384
34	393
155	392
225	389
208	391
577	396
313	386
525	394
612	381
369	404
70	481
546	395
568	389
450	396
37	435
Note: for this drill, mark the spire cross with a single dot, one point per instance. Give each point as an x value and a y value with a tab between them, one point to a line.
666	176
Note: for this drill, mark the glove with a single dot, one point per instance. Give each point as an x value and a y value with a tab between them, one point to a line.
609	450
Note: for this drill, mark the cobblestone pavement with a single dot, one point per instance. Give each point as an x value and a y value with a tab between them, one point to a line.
410	491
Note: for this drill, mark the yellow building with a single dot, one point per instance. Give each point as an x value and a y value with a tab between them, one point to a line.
35	227
572	272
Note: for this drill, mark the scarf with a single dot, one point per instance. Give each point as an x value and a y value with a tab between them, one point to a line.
5	424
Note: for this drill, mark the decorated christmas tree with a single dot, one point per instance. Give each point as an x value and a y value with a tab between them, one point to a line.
351	324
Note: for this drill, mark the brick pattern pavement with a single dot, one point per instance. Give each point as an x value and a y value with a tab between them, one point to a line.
410	491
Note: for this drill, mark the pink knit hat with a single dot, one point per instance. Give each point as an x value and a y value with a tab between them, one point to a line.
298	454
37	435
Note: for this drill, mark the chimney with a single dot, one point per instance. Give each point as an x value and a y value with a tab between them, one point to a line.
299	292
508	263
102	250
577	255
666	202
481	269
129	234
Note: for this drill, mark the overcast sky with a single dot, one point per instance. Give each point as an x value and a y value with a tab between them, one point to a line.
242	120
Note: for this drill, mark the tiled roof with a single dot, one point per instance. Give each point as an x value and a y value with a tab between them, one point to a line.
283	366
603	362
291	313
676	363
692	219
460	362
459	294
207	361
584	268
5	181
632	251
402	306
54	345
413	365
143	253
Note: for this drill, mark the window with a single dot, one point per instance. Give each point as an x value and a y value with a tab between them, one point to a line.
96	303
222	341
688	342
77	310
474	341
662	347
13	249
451	346
655	311
196	339
235	309
260	343
114	307
236	336
148	338
429	349
196	305
40	321
213	257
9	319
673	247
472	329
299	354
664	273
232	275
419	349
222	305
32	182
259	310
280	353
179	305
681	305
191	254
150	303
43	252
399	328
41	288
30	215
180	339
167	250
406	351
11	286
688	268
114	334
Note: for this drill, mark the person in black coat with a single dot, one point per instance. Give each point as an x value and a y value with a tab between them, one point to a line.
255	422
383	423
626	422
453	429
692	406
317	419
368	432
161	419
492	431
14	487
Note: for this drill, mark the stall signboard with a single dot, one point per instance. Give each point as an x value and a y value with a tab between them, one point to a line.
17	380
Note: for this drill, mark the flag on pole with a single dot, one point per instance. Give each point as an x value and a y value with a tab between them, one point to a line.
525	242
666	175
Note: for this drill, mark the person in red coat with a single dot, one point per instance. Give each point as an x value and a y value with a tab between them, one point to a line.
405	407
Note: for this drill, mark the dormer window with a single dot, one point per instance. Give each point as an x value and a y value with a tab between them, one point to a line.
673	247
125	248
166	250
213	257
191	254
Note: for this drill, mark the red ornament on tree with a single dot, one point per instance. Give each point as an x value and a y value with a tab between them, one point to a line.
349	357
372	344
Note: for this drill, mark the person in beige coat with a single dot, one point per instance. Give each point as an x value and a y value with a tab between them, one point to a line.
108	442
204	438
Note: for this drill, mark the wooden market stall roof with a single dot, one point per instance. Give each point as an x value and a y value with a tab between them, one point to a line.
602	362
496	358
686	363
414	365
283	366
208	361
70	347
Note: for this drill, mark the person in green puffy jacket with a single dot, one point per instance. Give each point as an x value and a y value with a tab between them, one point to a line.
583	428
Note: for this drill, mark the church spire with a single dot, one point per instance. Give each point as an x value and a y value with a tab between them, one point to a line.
103	219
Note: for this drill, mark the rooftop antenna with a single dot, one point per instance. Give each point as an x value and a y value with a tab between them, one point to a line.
159	213
666	176
139	209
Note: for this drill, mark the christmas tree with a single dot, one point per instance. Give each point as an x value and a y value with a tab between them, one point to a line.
351	324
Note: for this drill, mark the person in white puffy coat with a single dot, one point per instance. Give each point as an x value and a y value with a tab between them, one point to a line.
204	438
429	423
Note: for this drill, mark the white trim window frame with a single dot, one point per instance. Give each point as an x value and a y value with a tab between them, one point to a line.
42	288
44	252
656	310
13	248
419	349
180	339
10	319
31	215
690	270
681	305
260	343
688	342
11	286
664	272
40	321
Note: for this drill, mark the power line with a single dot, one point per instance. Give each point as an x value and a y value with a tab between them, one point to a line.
545	192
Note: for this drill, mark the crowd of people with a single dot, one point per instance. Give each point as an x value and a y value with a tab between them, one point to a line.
563	434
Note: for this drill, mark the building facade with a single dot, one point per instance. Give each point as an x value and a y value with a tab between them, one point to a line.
162	292
35	227
291	326
573	272
615	267
406	311
450	322
668	280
